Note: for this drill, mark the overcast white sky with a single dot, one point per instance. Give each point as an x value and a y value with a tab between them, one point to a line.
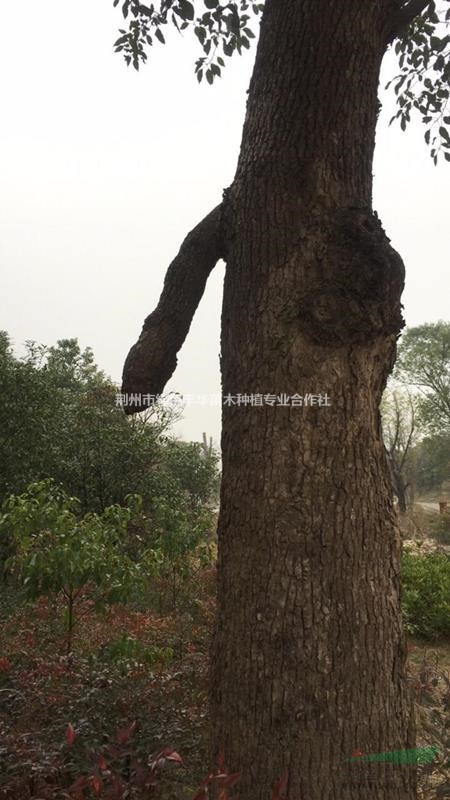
103	171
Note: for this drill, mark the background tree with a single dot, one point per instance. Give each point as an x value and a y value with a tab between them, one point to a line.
74	433
432	464
60	418
195	471
399	427
309	651
27	408
424	363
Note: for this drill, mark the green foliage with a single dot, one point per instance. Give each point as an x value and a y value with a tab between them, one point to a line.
43	395
178	519
59	418
426	594
68	366
130	653
219	27
116	772
432	463
95	451
424	362
440	529
178	530
75	433
81	560
27	407
423	84
191	469
430	688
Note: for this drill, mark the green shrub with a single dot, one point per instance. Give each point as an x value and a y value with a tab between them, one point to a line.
440	529
426	594
80	560
131	653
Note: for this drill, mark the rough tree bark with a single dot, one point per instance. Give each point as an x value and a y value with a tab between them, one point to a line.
308	660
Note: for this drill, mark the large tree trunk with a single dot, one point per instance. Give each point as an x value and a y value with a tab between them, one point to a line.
308	661
309	653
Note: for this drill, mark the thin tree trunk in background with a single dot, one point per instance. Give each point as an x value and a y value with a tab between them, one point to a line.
70	621
309	652
398	483
400	491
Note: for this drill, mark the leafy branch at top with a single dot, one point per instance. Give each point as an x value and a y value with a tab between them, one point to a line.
221	27
423	84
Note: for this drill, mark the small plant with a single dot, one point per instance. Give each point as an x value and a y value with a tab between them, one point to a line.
79	560
179	538
220	782
116	773
426	593
430	686
131	653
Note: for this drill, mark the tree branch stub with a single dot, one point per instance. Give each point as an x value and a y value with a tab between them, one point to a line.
152	360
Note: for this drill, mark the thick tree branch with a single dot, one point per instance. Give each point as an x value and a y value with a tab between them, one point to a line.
404	16
152	360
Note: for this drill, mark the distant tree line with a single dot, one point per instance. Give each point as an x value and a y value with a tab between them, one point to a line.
416	414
